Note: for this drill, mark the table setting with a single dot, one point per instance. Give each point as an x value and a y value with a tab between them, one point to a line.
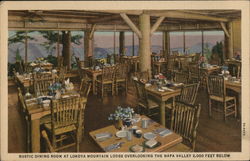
142	134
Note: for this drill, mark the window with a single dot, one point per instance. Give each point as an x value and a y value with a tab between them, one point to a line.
104	44
193	42
156	42
213	44
16	47
176	42
129	38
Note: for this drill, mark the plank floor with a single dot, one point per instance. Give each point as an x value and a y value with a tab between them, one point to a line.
213	134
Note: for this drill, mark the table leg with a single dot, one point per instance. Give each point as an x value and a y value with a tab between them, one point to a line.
35	135
93	84
162	109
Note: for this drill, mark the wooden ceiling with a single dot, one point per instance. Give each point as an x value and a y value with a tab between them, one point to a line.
112	17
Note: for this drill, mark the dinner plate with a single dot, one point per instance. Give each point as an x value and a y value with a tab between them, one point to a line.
149	135
139	146
121	134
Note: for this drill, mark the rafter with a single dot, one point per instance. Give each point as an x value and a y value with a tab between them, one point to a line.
157	24
131	24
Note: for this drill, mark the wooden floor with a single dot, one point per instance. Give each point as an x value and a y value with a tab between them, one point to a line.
213	135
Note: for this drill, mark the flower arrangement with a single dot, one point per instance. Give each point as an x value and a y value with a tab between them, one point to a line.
55	86
202	60
122	113
160	76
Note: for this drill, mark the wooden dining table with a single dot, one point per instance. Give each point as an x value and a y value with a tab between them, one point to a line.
165	142
161	98
36	112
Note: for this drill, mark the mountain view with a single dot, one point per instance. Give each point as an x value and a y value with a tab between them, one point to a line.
103	45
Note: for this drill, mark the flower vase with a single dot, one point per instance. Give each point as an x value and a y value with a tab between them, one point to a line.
119	124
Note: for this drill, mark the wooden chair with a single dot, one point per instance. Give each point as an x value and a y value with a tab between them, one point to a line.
188	95
143	99
184	121
26	118
66	119
106	81
181	77
42	82
121	79
217	92
194	73
85	87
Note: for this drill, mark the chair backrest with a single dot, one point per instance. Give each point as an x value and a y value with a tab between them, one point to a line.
108	73
42	83
216	85
85	88
185	120
180	77
189	93
121	71
142	75
66	112
141	92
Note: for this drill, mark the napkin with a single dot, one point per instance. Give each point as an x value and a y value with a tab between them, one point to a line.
163	132
168	89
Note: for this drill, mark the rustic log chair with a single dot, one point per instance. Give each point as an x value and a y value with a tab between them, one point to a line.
106	81
121	79
184	121
188	95
217	92
143	99
194	73
181	77
66	119
26	118
85	87
42	82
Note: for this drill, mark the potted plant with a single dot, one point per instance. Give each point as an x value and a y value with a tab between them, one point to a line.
122	116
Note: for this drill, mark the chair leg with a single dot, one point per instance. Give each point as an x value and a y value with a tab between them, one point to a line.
225	110
209	107
28	135
235	108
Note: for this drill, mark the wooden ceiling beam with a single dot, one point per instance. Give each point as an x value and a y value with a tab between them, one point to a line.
183	15
223	26
104	19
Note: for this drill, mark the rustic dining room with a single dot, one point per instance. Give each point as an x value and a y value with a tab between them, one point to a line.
124	81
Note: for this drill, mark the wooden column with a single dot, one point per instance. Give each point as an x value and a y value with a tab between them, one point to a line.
26	47
67	49
145	43
166	43
202	43
133	44
230	40
88	46
121	43
58	44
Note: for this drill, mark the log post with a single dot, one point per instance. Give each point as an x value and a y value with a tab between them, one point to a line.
230	40
67	49
166	44
145	43
26	47
121	43
88	47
